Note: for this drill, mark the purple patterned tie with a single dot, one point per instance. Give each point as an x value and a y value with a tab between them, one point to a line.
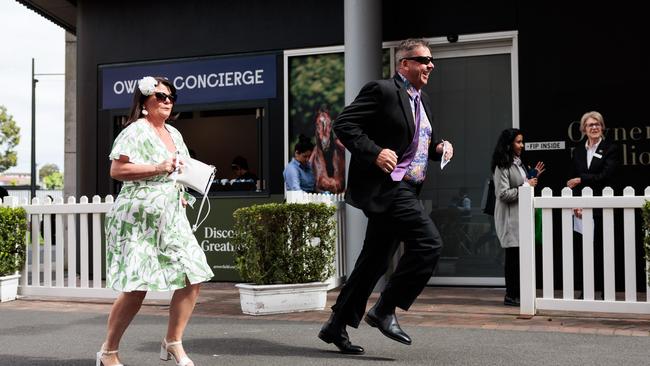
398	173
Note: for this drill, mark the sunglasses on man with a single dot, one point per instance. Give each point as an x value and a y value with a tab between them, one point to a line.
424	60
161	97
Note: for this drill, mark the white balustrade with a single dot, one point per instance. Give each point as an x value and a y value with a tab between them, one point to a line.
628	202
69	228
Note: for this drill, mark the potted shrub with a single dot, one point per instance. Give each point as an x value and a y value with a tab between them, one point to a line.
645	211
13	227
286	252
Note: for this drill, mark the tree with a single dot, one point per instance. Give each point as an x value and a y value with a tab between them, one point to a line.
46	170
9	139
53	181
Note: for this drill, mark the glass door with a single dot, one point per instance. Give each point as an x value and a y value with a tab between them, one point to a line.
472	102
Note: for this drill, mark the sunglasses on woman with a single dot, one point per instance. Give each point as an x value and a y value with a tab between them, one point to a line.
161	97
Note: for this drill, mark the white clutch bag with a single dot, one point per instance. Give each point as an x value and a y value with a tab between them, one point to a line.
196	175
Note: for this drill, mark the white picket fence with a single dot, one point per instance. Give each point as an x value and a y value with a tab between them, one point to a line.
530	303
42	194
332	199
76	225
66	252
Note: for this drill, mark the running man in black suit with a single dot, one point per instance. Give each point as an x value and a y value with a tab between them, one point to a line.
389	133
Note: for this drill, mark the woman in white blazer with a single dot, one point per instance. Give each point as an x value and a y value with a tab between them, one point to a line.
509	173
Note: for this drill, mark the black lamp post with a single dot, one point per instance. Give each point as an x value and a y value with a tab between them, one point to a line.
32	185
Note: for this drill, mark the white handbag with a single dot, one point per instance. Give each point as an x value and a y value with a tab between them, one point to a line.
198	176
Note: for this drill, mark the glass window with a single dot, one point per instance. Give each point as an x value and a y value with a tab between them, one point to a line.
229	139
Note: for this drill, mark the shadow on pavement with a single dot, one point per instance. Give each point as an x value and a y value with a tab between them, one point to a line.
260	347
41	361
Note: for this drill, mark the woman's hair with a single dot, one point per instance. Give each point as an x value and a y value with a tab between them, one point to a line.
303	144
595	115
138	101
503	155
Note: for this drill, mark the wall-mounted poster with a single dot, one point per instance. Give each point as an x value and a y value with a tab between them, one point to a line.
316	96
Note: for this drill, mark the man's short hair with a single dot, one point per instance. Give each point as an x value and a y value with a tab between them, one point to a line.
406	46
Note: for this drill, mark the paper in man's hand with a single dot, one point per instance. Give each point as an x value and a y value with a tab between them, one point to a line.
444	161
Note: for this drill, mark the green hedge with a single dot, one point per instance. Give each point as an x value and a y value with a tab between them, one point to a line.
13	226
645	211
274	242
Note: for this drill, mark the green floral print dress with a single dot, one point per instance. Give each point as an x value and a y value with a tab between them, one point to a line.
149	242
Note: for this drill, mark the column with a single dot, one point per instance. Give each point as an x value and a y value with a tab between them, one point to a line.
363	38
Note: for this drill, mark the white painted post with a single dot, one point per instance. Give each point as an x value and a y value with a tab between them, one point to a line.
547	248
608	249
83	245
72	246
567	248
588	273
629	249
97	246
36	247
11	201
60	244
14	202
526	251
47	247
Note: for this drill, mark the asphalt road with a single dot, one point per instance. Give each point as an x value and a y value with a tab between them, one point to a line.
37	338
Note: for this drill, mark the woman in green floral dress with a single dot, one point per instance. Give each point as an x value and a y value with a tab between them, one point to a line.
149	243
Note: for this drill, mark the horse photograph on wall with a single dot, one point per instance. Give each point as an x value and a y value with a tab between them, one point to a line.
328	157
316	97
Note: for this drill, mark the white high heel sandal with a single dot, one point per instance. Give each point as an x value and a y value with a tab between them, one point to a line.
165	355
105	352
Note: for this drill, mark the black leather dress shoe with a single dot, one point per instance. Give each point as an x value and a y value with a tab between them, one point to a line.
509	301
387	325
331	333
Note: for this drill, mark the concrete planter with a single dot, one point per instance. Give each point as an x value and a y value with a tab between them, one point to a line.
284	298
8	287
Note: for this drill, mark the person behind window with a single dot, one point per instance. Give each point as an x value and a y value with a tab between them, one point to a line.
240	169
243	178
298	175
463	203
509	174
149	242
593	165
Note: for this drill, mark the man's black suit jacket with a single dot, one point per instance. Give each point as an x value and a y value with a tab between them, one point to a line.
379	118
600	173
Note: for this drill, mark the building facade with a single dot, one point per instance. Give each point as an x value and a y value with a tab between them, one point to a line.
535	66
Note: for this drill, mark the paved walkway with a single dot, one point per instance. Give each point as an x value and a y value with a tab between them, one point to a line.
438	307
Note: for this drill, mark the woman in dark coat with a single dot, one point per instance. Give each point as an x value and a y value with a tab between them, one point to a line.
593	165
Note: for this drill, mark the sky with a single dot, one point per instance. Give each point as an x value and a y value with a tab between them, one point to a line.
25	35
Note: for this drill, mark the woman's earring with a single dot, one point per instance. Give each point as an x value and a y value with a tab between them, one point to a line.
144	111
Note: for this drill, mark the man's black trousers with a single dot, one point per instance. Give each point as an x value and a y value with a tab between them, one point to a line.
404	221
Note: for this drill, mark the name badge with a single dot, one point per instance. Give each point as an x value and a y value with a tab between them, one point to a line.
597	155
